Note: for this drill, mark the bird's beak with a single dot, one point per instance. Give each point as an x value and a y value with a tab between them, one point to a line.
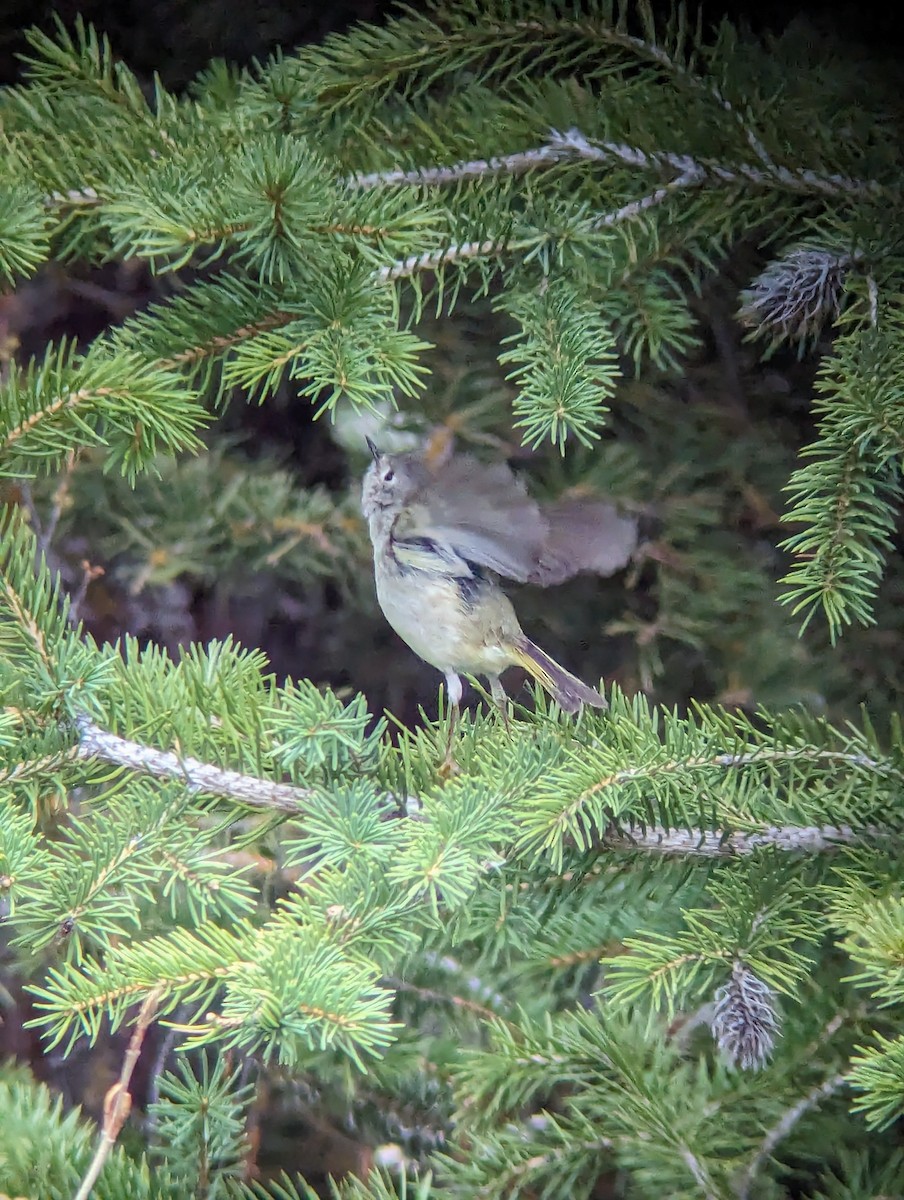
373	449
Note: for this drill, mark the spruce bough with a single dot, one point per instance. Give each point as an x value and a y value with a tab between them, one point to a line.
659	945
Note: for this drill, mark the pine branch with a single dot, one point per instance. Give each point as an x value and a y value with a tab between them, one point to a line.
799	179
847	495
784	1126
95	742
264	794
687	173
259	524
118	1101
69	401
590	169
49	1147
557	400
432	260
573	145
812	839
199	1121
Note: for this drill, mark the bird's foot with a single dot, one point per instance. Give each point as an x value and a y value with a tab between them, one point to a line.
448	768
501	701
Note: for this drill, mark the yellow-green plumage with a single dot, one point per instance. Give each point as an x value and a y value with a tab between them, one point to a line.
566	689
439	540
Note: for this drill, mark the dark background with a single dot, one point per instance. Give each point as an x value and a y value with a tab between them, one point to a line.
177	38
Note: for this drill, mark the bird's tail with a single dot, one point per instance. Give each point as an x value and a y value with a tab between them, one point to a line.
567	690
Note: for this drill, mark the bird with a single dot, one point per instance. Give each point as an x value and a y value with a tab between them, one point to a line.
444	533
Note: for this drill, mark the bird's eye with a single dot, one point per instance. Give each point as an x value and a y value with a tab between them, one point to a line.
389	476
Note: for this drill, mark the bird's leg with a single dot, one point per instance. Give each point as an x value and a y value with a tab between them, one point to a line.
497	691
453	690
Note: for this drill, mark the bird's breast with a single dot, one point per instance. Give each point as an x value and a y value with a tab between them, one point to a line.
464	624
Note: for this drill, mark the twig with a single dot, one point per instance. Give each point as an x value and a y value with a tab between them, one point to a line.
505	164
56	404
811	839
573	144
514	1174
402	268
77	599
431	996
432	259
783	1127
634	208
87	197
652	52
44	533
800	179
27	500
196	775
873	293
118	1101
267	794
698	1170
60	495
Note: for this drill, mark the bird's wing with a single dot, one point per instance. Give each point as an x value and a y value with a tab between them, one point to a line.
482	513
584	535
436	558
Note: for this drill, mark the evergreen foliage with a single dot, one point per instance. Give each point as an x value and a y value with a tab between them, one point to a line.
658	947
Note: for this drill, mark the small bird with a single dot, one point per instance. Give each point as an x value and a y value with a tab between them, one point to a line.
441	536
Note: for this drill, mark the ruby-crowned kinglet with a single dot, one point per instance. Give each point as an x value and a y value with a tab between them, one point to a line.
442	533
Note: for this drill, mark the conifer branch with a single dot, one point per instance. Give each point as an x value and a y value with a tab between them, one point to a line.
24	617
415	45
813	839
515	1173
431	260
265	794
648	49
701	1176
575	145
118	1101
36	768
681	848
434	996
47	530
799	179
84	197
486	248
780	1130
51	409
438	176
225	341
95	742
634	208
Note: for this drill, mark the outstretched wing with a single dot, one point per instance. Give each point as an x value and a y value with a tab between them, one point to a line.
483	515
481	512
584	535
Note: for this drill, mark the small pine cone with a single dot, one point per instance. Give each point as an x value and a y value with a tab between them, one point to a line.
795	296
745	1023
